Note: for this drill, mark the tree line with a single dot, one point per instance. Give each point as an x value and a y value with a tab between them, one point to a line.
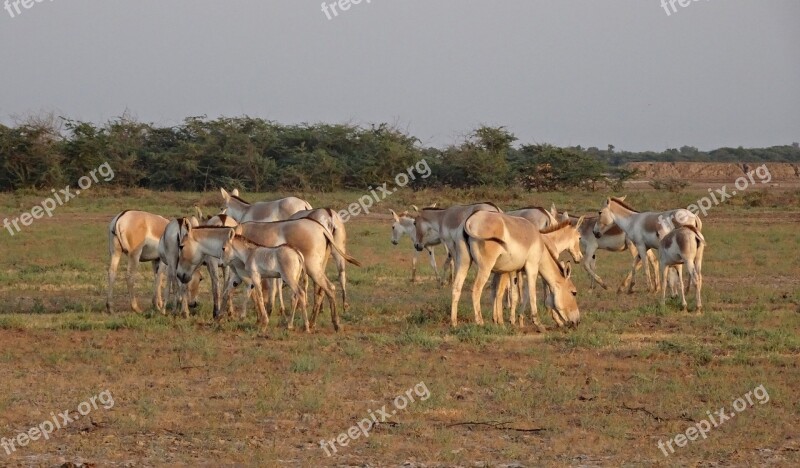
258	155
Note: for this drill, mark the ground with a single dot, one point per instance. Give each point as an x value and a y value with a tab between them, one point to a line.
195	392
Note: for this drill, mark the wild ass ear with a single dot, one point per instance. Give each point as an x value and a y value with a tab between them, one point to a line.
198	212
623	197
580	221
415	208
235	192
394	215
567	270
553	210
433	205
231	233
225	195
194	222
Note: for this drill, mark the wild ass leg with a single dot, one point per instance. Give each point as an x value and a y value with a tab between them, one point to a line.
213	272
159	273
433	263
258	298
498	287
112	274
663	268
133	263
683	296
477	291
533	274
589	261
462	264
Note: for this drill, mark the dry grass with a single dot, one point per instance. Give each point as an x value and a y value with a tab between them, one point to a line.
195	392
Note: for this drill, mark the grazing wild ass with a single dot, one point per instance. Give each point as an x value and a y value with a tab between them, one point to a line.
284	262
682	246
306	235
277	210
641	229
404	225
135	234
501	244
563	237
448	225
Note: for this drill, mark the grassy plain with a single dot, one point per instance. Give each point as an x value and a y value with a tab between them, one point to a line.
194	392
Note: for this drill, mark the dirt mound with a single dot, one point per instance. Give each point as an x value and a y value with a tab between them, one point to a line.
712	172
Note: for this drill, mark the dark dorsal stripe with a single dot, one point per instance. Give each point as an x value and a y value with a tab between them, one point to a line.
557	227
624	205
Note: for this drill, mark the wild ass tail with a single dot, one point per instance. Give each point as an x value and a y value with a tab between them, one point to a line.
114	234
335	247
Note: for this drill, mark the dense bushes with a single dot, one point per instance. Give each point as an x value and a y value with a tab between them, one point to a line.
259	155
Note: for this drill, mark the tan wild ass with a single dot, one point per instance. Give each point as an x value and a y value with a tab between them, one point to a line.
448	225
277	210
640	228
682	246
506	244
137	235
284	262
306	235
333	222
563	237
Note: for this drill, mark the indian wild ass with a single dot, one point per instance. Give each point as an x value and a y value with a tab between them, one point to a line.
448	225
682	246
135	234
284	262
501	244
404	225
306	235
278	210
169	252
640	228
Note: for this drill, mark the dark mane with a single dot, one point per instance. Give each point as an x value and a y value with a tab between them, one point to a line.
432	209
556	227
212	227
624	205
240	199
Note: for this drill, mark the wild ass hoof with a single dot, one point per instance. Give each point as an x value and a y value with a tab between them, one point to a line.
194	305
539	327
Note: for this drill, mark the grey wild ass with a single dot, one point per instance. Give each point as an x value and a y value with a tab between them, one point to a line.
137	235
448	225
278	210
169	252
640	228
404	225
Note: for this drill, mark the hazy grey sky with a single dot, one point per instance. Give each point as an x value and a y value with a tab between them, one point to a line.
567	72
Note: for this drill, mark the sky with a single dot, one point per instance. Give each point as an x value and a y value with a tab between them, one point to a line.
566	72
